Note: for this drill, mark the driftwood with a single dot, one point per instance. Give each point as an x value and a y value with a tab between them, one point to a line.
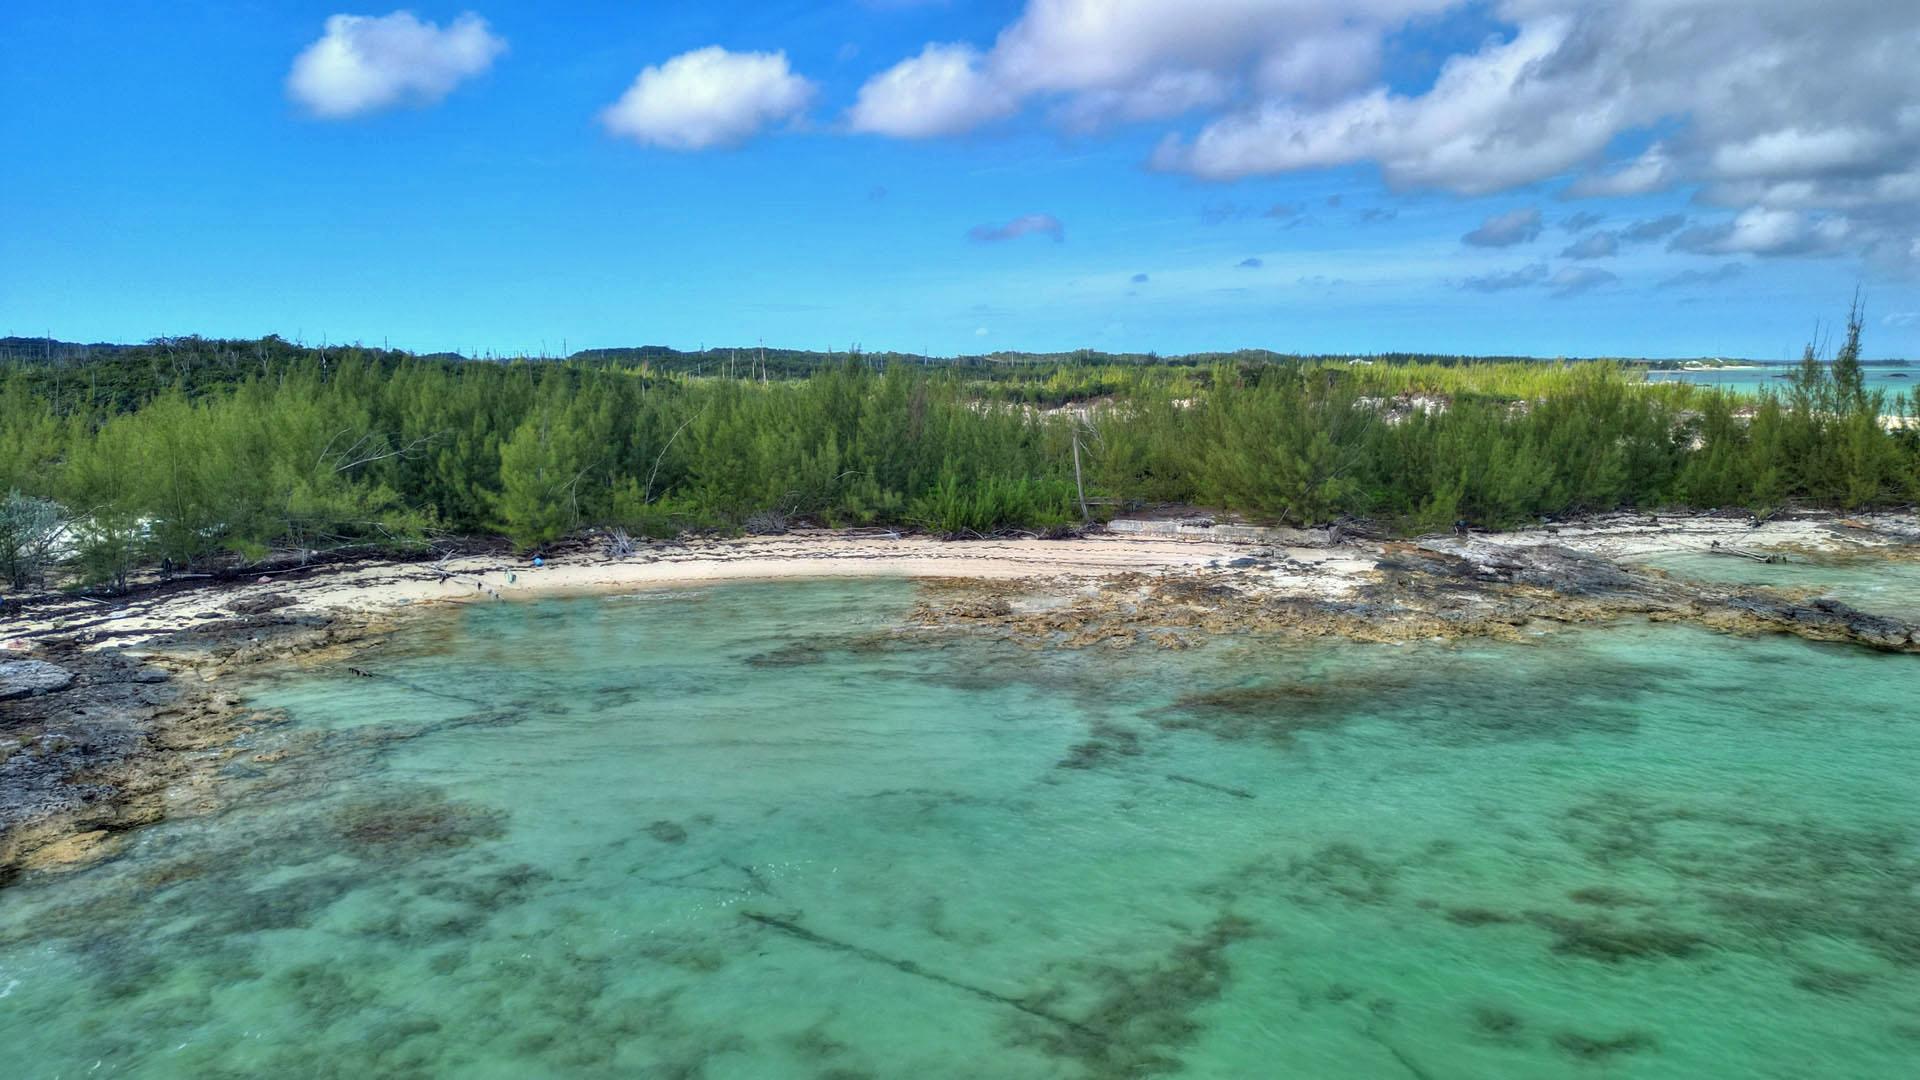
1742	553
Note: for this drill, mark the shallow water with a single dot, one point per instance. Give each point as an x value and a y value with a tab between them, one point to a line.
1752	380
743	832
1884	587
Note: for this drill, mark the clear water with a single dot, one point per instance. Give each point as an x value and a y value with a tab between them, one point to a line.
1881	586
1751	380
743	832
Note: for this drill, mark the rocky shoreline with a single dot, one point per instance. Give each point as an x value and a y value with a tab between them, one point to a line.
97	742
117	716
1415	593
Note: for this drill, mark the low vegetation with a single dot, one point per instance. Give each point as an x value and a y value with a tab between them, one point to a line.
189	451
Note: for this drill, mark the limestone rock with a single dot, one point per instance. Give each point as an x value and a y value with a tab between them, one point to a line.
27	678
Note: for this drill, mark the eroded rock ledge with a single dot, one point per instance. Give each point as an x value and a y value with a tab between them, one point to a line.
99	741
1414	592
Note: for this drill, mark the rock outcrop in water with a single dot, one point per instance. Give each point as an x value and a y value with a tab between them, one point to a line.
94	742
1415	592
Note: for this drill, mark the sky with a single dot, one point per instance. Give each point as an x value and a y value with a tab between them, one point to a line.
1541	177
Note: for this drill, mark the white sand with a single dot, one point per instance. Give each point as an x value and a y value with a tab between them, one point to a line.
384	587
1632	536
1290	567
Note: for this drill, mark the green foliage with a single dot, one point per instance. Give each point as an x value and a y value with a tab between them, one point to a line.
188	451
29	528
994	503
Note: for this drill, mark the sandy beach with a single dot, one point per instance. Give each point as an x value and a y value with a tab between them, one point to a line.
1306	564
383	587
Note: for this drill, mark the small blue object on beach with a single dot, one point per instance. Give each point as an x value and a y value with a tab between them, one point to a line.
538	561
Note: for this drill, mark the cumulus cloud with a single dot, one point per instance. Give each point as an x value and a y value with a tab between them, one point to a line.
1574	280
1169	93
1024	225
1693	278
706	98
1506	230
365	63
940	92
1902	318
1568	281
1581	221
1762	231
1651	229
1102	62
1651	171
1522	278
1769	105
1477	130
1594	245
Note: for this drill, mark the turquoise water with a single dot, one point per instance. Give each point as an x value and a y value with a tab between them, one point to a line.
746	832
1884	587
1751	380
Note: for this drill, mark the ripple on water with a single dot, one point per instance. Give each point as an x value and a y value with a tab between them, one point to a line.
745	831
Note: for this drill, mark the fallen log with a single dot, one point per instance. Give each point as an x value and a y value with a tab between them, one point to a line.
1742	553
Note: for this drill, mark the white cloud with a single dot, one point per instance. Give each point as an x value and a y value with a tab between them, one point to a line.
1595	245
709	97
1466	134
1688	279
1167	94
1795	151
1506	230
1567	281
1763	231
1649	172
1117	61
1321	67
1776	105
364	63
1525	277
1574	280
1649	229
1075	45
940	92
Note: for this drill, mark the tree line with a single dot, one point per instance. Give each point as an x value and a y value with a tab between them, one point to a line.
251	448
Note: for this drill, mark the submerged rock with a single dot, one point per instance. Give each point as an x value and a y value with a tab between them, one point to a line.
94	741
1413	592
668	832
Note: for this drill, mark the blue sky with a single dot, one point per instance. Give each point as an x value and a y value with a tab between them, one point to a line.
1300	176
